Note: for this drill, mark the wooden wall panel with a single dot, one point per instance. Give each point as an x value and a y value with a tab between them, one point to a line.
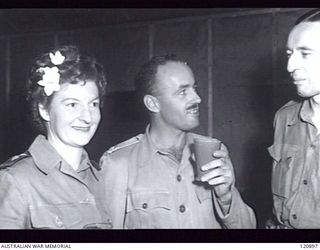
242	100
23	51
3	118
242	76
121	50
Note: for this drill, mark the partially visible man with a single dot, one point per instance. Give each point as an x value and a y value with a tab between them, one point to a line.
149	179
296	147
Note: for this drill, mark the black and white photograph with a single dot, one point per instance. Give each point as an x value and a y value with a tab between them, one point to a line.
135	119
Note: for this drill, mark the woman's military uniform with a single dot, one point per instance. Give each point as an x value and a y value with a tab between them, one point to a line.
38	189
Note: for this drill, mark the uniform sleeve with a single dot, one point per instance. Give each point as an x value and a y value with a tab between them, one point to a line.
275	155
240	214
13	208
115	178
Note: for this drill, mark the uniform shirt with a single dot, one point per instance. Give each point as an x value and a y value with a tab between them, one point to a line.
296	167
43	191
147	188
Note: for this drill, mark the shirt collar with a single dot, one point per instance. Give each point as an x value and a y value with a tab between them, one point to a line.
304	113
44	155
149	149
47	158
87	163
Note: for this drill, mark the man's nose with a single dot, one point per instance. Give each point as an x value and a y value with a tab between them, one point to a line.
196	97
294	62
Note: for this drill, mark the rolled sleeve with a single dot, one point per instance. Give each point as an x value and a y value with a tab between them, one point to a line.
240	214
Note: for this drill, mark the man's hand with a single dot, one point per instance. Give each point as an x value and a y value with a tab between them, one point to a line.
220	175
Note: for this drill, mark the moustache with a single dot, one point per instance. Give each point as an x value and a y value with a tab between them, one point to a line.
193	106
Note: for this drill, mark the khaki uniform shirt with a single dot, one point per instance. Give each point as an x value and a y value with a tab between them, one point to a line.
296	167
147	188
43	191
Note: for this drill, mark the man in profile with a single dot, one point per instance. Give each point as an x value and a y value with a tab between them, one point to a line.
150	180
296	147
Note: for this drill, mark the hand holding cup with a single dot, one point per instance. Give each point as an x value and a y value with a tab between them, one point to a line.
215	168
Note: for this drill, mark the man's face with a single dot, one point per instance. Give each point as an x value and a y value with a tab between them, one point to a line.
303	49
177	96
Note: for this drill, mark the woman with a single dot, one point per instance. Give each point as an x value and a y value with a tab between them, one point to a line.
54	184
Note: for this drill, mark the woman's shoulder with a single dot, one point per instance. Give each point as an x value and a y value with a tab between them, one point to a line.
18	163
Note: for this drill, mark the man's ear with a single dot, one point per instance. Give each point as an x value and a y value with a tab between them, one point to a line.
43	112
151	103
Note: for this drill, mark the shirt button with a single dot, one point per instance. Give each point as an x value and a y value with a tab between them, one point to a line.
109	225
86	200
182	209
59	222
179	178
305	182
294	216
144	205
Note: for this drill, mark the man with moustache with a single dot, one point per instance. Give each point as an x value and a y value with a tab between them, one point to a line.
296	147
149	179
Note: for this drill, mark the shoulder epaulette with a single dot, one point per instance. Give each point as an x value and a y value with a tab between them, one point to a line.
14	160
126	143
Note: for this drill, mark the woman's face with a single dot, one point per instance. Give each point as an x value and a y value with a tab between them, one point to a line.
73	114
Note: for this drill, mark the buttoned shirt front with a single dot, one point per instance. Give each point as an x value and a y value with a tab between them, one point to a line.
296	167
148	188
43	191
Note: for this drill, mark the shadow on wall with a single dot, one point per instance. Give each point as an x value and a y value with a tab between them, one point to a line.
266	100
123	117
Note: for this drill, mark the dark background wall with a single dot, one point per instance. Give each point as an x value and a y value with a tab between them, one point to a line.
239	62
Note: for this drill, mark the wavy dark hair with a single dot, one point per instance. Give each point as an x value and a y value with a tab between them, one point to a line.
75	69
145	78
310	16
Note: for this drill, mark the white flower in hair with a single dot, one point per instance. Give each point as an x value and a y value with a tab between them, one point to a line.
50	79
56	58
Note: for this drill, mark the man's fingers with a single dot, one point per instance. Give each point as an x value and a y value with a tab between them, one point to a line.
220	154
213	173
213	164
217	181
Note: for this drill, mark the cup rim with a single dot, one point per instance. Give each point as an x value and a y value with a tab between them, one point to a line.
206	139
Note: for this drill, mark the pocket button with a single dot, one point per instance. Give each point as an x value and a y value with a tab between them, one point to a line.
182	209
179	178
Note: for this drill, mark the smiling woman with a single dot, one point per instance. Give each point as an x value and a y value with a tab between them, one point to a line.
54	184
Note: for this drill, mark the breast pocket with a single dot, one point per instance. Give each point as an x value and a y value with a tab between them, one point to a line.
285	157
148	209
55	216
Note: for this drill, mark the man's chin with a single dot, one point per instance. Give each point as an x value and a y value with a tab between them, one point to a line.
192	126
305	95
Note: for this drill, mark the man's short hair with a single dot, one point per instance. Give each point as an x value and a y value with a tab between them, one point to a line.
145	79
310	16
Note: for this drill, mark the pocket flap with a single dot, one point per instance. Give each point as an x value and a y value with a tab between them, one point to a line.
203	193
282	151
51	216
145	200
